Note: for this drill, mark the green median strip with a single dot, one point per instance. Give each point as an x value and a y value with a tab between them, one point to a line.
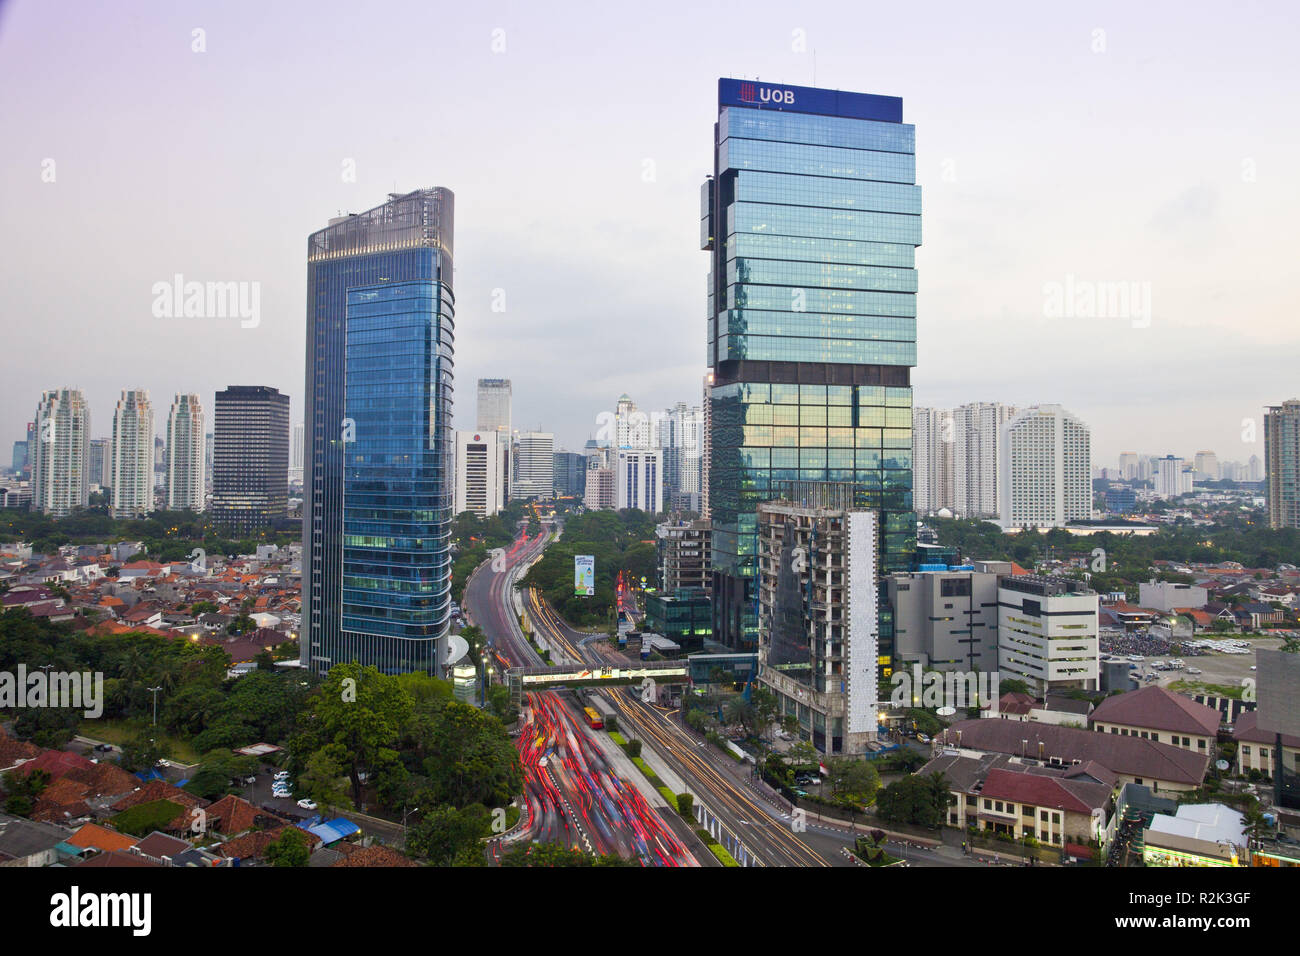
718	849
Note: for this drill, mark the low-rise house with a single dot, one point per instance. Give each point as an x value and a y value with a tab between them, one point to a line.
25	843
161	848
1154	713
1132	759
1257	749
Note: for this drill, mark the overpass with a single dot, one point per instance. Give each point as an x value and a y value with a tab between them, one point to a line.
522	680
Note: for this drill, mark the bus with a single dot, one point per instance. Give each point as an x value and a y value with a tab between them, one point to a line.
593	718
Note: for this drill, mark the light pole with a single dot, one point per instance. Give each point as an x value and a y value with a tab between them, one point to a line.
154	691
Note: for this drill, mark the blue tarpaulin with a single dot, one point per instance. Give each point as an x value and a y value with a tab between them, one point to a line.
334	830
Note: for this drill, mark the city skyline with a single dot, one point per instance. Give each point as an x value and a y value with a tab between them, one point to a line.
1133	223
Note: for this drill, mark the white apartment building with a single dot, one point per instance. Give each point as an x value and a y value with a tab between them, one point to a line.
186	453
1048	633
638	479
1045	469
932	459
534	466
59	452
133	454
1173	477
478	473
976	447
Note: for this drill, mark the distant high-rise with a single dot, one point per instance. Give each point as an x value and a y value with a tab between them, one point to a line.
1128	465
379	444
535	475
186	454
600	492
679	435
1282	474
570	474
295	453
493	414
133	454
1255	468
932	477
812	217
638	479
250	459
101	462
1046	469
207	461
1207	466
478	473
976	445
1173	477
59	452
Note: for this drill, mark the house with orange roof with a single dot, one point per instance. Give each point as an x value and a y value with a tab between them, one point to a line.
92	836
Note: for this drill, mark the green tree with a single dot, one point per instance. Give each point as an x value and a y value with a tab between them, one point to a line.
289	850
446	834
356	717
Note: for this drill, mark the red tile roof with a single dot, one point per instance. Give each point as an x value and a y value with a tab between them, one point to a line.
1246	728
118	858
375	855
253	845
1158	709
1037	790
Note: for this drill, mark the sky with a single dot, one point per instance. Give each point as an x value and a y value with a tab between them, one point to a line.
1058	146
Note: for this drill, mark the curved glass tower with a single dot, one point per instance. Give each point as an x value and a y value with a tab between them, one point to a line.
812	218
378	438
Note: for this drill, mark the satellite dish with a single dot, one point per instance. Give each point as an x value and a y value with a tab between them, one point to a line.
1221	764
946	711
457	647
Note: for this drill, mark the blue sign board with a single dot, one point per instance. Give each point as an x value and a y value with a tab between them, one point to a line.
807	99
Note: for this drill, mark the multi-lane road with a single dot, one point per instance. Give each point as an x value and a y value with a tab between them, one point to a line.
587	805
573	796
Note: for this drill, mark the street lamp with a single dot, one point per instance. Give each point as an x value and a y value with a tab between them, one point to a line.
154	691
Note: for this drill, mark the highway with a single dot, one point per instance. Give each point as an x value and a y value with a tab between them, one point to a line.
764	830
573	797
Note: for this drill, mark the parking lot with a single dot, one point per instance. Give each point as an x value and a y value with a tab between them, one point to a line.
1228	670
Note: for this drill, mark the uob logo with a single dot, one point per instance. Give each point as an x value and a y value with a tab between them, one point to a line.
765	95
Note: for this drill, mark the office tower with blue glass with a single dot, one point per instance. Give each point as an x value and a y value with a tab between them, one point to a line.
812	218
378	443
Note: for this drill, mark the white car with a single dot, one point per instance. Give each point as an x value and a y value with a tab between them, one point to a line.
307	803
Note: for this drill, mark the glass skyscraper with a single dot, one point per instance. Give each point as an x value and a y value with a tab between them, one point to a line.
378	451
812	217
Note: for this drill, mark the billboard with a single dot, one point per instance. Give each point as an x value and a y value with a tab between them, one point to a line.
584	575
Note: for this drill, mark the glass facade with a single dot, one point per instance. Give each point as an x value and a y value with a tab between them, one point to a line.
378	456
812	218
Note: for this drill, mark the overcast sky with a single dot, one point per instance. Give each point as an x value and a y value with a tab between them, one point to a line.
1153	144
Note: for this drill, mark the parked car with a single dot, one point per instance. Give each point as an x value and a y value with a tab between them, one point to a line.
104	748
307	803
924	738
